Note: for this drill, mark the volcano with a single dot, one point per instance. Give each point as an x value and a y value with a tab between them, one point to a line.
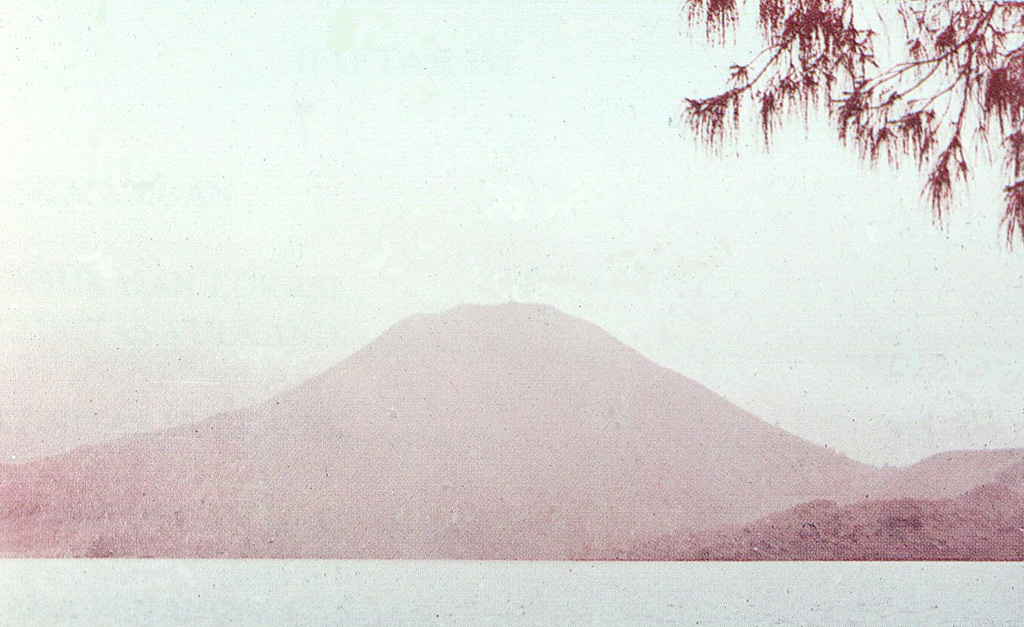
507	431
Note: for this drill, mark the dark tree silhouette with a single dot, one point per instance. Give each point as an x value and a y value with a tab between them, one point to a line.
952	84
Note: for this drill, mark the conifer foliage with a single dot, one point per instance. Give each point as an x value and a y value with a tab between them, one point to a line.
949	90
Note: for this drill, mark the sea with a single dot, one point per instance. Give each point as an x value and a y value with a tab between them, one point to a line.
111	593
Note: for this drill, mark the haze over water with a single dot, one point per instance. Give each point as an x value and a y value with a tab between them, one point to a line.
108	593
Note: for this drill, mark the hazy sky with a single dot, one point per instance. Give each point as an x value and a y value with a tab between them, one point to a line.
204	201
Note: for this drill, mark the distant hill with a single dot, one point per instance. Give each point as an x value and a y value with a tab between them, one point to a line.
503	432
985	523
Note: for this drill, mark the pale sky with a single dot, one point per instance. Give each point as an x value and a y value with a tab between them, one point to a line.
202	202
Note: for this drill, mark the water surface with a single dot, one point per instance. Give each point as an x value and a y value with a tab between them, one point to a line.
272	593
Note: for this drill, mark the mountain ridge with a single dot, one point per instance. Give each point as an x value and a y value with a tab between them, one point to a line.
985	523
502	432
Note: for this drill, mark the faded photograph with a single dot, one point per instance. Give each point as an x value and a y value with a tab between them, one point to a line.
548	293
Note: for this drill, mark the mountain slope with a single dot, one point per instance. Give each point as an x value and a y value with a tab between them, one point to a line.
984	523
951	473
510	431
